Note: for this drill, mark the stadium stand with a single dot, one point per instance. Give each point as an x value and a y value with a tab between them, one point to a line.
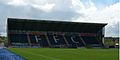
57	34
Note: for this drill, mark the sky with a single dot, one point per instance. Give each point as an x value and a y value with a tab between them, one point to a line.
95	11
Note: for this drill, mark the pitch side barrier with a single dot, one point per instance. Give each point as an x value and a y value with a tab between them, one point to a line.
52	39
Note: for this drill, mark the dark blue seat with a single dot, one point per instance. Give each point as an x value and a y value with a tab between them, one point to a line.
56	43
41	40
77	41
18	38
92	41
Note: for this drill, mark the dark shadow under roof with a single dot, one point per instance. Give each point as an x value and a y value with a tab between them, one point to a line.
49	25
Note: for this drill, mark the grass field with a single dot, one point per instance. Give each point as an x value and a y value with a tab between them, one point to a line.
66	54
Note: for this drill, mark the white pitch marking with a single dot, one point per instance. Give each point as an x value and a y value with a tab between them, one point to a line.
52	58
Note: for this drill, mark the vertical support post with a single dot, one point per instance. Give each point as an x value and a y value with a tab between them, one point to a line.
29	41
82	41
48	40
66	41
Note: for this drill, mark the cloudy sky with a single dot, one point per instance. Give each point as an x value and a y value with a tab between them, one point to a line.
98	11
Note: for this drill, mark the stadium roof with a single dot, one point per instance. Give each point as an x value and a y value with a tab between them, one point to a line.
49	25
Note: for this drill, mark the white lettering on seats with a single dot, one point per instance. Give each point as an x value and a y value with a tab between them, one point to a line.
72	38
37	38
55	38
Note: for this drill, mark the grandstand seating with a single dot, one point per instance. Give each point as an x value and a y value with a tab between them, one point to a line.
74	42
92	41
19	38
48	33
55	40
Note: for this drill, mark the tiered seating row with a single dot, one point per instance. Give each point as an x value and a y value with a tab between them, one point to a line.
53	40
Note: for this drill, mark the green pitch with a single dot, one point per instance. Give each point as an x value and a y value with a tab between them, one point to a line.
66	54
